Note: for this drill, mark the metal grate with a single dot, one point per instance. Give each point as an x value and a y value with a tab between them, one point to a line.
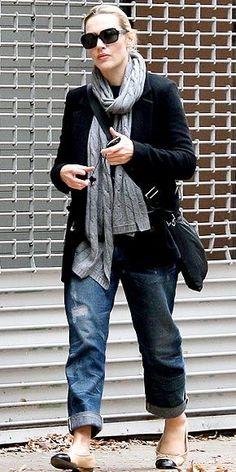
41	58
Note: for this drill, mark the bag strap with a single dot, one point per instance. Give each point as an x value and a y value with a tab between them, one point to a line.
99	112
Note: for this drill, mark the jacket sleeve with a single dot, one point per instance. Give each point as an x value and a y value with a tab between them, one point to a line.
175	159
64	149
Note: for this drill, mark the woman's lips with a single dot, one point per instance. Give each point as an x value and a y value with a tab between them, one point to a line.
103	56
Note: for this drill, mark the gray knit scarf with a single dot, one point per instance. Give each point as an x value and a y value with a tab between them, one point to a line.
117	208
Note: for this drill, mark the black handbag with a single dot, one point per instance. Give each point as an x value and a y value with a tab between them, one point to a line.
193	261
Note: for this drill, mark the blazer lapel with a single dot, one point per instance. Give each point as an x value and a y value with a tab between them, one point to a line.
142	116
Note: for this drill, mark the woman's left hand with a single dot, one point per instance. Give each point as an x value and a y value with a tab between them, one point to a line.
121	153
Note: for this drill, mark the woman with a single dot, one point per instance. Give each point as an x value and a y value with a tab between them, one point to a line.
112	236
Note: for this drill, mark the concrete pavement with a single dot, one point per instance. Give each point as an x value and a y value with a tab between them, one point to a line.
214	455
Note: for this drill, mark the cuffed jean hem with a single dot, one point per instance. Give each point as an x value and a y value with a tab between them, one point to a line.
162	412
86	418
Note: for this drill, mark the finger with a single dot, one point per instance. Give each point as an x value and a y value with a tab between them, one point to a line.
76	178
79	171
114	132
109	151
81	184
82	170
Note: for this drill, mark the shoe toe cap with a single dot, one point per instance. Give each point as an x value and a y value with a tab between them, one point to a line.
60	460
166	464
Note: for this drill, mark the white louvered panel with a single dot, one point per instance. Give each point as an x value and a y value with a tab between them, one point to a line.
31	373
25	355
125	427
213	380
32	298
33	412
43	352
201	403
51	372
13	371
209	334
121	332
32	336
32	392
200	362
10	316
192	343
209	343
217	382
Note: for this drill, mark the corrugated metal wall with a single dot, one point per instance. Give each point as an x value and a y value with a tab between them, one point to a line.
41	58
34	348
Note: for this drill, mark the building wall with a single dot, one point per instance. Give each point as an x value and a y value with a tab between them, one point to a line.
41	58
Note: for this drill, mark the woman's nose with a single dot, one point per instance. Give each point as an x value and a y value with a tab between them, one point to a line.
100	43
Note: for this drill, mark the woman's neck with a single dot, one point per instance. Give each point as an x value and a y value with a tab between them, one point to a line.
115	76
114	79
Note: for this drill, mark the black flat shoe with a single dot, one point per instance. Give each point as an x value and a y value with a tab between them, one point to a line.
83	463
166	464
171	462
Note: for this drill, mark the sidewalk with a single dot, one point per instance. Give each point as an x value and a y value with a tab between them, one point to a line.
214	455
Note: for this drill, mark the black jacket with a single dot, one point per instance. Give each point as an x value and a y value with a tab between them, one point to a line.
163	150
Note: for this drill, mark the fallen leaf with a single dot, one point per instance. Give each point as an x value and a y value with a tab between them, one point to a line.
196	468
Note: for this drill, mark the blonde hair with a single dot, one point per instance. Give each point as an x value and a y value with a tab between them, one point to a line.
123	20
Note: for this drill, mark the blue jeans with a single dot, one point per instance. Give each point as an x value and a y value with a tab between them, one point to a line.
150	295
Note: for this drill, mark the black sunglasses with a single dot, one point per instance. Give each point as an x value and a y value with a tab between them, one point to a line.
108	36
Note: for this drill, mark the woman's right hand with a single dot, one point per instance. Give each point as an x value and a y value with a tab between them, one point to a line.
70	175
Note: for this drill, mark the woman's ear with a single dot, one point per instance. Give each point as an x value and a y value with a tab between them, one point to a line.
131	40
